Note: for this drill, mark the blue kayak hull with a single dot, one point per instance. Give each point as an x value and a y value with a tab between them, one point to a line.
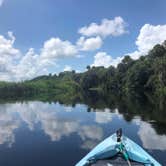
109	148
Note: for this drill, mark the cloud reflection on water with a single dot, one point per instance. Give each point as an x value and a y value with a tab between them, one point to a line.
106	115
8	123
54	125
58	123
150	139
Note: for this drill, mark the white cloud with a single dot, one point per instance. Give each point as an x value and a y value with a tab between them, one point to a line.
9	55
115	27
136	54
15	66
88	44
7	50
27	66
55	48
67	68
103	59
1	2
149	36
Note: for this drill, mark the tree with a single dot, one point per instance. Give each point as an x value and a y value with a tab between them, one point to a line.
127	60
157	51
88	67
73	71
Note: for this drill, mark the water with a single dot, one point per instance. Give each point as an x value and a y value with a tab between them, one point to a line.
49	134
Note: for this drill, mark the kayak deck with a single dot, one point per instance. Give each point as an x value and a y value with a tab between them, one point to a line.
112	147
115	161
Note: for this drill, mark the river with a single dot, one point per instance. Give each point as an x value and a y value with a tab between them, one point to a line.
49	133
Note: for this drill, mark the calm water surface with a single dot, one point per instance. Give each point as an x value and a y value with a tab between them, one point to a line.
51	134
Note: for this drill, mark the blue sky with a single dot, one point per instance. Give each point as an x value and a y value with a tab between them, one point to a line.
35	22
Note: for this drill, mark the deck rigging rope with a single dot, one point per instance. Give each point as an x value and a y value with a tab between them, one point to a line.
124	152
122	148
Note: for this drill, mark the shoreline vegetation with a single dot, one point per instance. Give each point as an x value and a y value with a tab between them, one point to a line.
131	78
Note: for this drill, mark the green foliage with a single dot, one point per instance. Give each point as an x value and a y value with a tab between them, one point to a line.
145	75
157	51
94	77
137	76
63	84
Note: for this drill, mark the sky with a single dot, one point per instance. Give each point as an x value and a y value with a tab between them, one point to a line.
50	36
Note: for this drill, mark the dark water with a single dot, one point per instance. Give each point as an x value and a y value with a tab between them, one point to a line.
52	134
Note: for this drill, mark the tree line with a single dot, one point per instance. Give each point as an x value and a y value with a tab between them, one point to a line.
146	75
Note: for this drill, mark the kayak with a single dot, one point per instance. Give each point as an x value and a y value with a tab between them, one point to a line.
118	146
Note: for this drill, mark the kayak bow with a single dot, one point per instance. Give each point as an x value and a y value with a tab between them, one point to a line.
118	144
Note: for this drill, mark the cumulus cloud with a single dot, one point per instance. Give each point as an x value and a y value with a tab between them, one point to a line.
115	27
15	65
67	68
149	36
89	44
103	59
30	65
9	55
7	50
55	48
